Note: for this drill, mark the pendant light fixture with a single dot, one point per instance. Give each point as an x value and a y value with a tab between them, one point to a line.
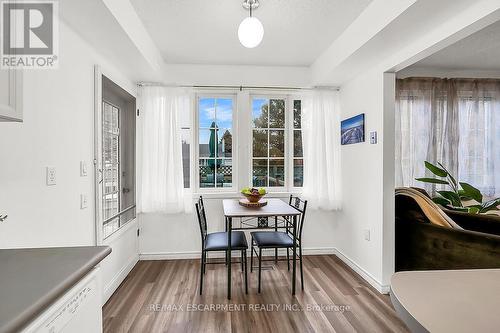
251	30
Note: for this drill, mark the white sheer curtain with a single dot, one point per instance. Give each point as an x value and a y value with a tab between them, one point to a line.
424	129
162	182
451	121
321	146
479	145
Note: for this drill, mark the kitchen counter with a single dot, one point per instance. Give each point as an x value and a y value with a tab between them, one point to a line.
32	279
448	300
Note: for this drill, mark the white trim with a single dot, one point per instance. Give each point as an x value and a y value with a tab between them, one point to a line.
97	137
13	110
381	288
111	287
313	251
169	255
196	254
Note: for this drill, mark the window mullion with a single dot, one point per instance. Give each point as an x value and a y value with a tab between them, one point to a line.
268	143
288	143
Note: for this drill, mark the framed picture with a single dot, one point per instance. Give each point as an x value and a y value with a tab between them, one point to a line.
352	130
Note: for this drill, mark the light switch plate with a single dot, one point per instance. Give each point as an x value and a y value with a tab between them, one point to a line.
373	137
83	201
51	176
367	234
83	169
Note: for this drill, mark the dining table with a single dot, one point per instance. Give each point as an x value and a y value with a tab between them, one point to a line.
274	208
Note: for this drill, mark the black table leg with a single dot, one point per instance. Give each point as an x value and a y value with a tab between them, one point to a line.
229	228
276	249
294	253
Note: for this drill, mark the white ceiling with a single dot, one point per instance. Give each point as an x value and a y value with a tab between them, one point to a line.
205	32
479	51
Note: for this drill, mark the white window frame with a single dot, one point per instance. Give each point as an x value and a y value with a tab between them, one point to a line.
195	174
292	187
242	139
289	97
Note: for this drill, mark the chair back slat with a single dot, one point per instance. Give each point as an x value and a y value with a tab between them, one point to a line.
301	206
202	218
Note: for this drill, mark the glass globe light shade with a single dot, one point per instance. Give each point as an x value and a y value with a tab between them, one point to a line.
250	32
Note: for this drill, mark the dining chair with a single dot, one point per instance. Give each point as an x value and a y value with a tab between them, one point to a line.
280	239
217	241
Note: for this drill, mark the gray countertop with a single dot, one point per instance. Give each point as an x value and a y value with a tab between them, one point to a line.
32	279
449	300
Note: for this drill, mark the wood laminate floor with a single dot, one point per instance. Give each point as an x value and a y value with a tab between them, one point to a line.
163	296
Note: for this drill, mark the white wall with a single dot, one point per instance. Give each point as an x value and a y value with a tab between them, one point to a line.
57	131
178	236
267	76
362	167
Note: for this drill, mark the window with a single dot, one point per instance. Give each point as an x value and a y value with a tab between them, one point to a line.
111	160
477	128
452	121
298	157
115	179
185	121
270	126
268	137
215	142
276	142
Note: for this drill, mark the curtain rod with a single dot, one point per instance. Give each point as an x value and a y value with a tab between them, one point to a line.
148	84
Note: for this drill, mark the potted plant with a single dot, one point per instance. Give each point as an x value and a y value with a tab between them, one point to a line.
458	192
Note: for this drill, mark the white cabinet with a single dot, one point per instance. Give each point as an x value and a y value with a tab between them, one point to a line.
77	311
11	95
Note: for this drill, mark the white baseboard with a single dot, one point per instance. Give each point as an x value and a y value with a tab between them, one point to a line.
111	287
381	288
196	254
170	255
311	251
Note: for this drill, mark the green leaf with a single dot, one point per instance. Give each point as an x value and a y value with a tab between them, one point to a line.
441	201
490	205
452	197
435	170
473	210
463	195
472	192
453	180
459	209
432	180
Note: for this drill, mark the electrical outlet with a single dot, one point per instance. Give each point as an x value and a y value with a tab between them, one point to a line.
83	201
51	176
83	169
367	234
373	137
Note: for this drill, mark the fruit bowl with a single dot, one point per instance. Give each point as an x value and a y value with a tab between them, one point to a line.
253	194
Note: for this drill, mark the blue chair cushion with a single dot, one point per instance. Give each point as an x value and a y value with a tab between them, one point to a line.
217	241
272	239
